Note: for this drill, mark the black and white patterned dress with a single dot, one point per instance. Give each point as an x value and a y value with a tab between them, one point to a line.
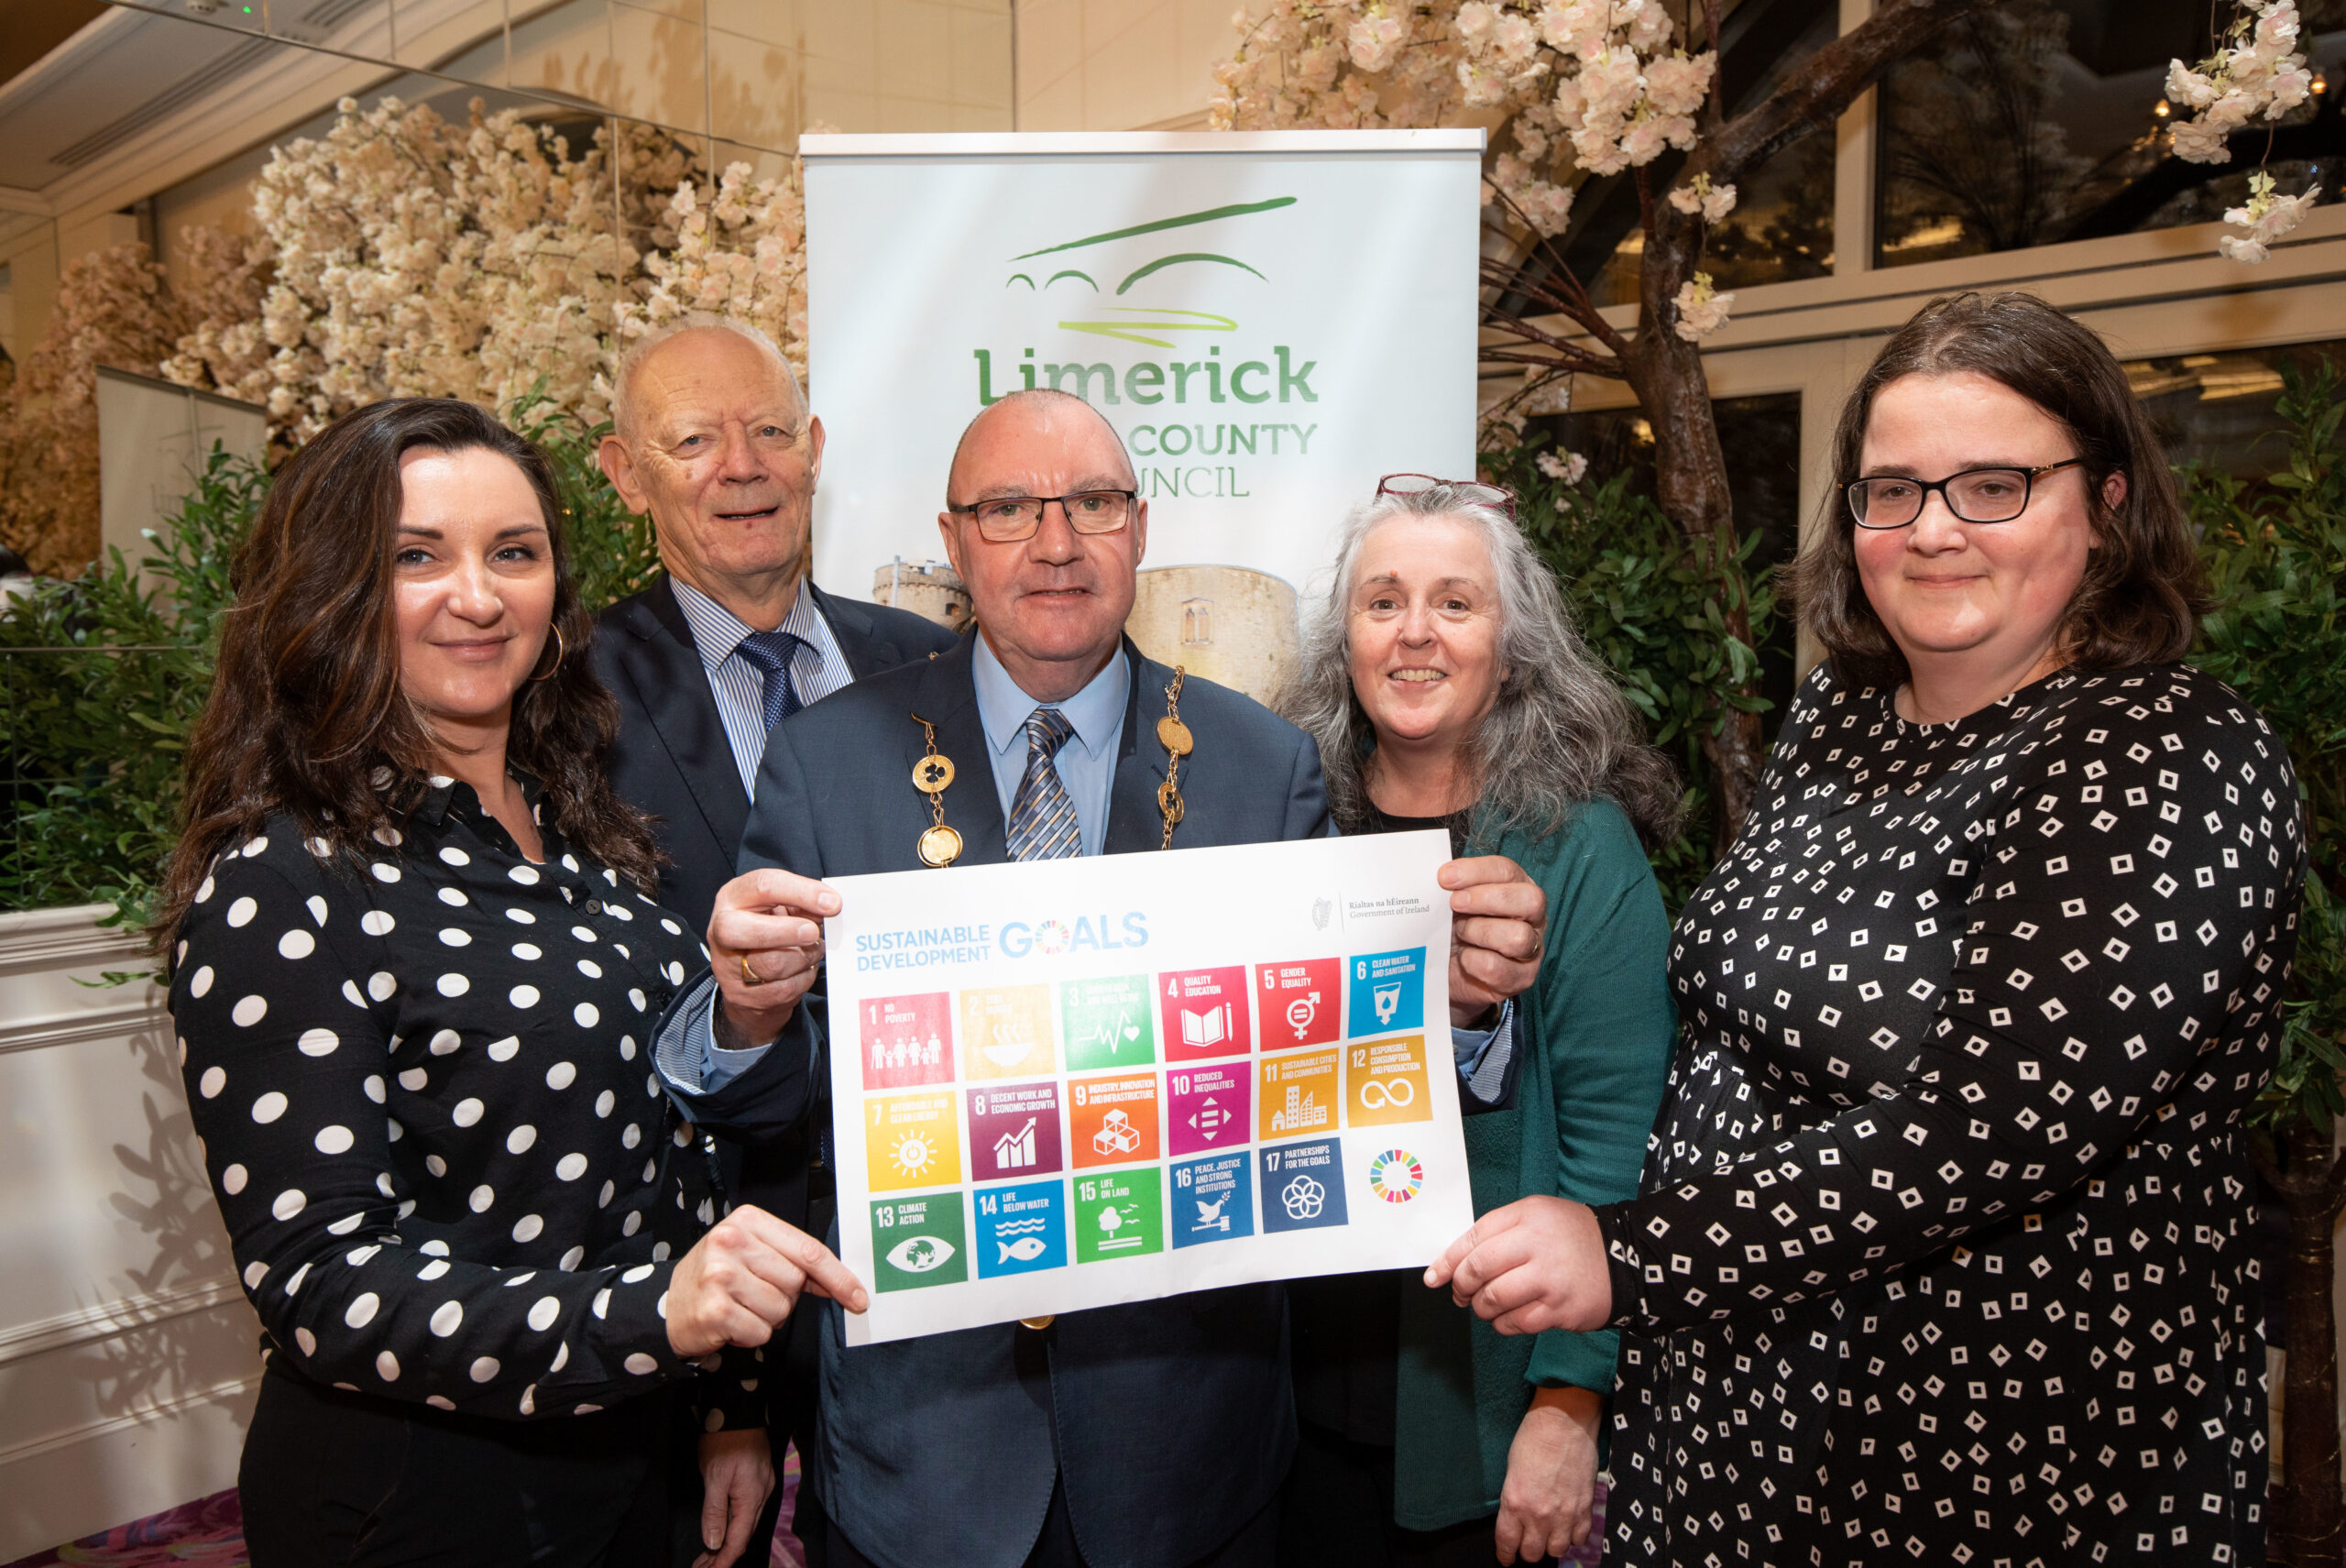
426	1103
1945	1248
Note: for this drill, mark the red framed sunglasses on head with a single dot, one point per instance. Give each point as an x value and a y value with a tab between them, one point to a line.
1472	489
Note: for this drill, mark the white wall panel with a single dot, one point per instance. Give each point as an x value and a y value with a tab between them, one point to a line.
126	1352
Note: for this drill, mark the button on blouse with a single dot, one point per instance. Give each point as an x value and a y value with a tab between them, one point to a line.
424	1091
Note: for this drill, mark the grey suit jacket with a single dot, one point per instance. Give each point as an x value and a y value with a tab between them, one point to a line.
1172	1421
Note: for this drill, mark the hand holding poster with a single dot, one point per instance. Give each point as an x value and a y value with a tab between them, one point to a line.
1071	1083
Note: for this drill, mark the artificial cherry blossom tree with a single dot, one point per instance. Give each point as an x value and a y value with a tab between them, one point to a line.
1576	89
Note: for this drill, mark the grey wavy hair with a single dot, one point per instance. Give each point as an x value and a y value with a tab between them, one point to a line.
1560	733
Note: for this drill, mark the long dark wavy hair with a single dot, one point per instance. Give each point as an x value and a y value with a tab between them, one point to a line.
2143	591
306	714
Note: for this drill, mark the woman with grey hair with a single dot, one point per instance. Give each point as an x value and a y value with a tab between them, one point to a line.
1447	689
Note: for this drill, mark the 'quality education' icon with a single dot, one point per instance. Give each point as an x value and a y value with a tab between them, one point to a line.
1396	1176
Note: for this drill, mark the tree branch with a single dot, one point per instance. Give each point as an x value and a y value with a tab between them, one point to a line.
1824	85
1556	355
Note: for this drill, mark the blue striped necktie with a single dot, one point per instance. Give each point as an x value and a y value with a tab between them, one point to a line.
771	651
1043	825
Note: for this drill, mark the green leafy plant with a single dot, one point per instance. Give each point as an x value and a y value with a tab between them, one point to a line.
102	677
2275	553
1656	607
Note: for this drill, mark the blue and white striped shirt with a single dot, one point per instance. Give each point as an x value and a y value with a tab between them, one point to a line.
816	670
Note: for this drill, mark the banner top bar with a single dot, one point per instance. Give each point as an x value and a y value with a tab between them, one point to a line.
1068	144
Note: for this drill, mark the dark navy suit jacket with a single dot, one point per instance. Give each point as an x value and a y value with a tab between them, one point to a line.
1171	1422
671	759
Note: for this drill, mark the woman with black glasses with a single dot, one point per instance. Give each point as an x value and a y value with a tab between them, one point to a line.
1943	1253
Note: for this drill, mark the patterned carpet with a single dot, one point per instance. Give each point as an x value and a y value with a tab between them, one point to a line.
210	1533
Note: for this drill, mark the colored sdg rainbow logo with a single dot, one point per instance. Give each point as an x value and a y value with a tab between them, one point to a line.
1052	937
1396	1176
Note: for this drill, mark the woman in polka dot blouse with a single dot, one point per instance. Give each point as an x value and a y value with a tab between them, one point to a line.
1945	1249
415	974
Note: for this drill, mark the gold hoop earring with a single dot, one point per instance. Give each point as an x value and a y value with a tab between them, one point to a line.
560	650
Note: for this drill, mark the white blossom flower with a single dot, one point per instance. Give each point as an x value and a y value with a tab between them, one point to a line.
1701	309
2267	216
1569	467
1713	201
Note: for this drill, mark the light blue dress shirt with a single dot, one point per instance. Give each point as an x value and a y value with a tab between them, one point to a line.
816	670
1085	765
1086	761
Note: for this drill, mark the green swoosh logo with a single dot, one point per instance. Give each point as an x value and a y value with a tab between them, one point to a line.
1165	261
1161	224
1133	332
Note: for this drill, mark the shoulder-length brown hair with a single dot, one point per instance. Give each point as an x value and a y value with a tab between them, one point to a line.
306	714
2143	590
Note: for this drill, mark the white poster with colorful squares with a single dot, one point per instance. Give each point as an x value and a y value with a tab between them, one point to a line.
1071	1083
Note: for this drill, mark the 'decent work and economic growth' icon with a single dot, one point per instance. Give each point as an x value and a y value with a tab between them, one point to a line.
1013	1130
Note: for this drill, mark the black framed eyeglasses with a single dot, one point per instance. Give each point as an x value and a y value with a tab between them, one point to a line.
1006	520
1473	490
1976	495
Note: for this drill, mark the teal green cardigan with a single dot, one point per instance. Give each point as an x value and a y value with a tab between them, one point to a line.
1595	1033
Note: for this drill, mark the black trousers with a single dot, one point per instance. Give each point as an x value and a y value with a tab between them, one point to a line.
336	1478
1338	1508
1055	1548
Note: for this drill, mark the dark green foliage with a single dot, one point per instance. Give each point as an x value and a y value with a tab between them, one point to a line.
102	677
2276	554
1652	609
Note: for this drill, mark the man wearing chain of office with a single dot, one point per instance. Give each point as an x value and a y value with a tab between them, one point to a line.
1151	1435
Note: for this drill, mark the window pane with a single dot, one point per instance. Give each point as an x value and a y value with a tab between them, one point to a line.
2044	120
2218	407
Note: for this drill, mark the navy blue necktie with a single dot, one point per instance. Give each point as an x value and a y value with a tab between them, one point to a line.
771	651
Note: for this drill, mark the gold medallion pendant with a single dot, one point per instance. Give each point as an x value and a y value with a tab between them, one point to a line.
938	845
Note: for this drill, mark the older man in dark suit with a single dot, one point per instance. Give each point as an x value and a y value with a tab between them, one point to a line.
713	438
1151	1435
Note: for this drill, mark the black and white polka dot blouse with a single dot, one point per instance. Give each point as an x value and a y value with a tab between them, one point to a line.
1944	1250
428	1112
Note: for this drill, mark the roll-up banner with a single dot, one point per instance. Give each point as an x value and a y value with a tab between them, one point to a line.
1270	320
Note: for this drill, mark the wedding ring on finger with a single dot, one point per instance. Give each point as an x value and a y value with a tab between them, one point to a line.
749	975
